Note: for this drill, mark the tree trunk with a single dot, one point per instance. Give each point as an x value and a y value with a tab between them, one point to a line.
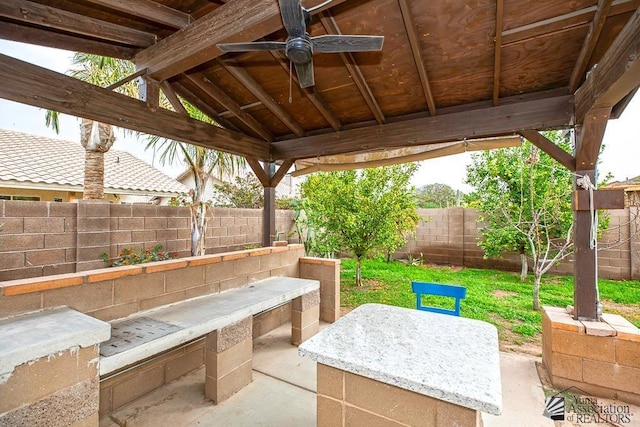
536	291
93	175
97	139
358	270
524	267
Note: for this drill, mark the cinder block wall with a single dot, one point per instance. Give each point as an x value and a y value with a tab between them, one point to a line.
449	237
46	238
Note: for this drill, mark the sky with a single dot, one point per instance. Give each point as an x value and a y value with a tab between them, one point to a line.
621	156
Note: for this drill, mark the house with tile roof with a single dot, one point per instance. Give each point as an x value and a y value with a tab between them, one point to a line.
631	189
46	169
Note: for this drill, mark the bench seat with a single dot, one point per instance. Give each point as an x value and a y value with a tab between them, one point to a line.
163	328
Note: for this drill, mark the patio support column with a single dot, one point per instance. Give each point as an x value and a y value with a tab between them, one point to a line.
269	210
585	270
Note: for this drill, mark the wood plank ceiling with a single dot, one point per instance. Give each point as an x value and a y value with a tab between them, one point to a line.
448	70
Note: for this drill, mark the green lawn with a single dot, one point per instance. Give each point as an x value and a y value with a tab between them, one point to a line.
494	296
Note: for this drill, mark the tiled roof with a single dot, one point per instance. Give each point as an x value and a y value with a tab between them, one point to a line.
34	159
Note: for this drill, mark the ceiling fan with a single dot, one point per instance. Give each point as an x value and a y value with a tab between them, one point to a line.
299	46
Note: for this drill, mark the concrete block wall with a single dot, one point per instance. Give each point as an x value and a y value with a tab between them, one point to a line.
600	358
46	238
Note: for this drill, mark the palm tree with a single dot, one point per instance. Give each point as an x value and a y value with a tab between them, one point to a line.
202	164
96	138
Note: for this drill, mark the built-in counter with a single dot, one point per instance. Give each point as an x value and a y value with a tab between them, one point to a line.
397	366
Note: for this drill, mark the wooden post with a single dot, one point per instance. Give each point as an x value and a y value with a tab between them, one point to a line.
269	210
585	269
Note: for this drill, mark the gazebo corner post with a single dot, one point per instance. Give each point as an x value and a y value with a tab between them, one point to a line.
269	209
585	270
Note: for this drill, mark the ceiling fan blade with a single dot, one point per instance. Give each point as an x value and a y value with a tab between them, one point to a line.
293	17
248	47
305	74
339	43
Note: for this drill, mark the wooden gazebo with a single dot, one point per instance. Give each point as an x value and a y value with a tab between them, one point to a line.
448	70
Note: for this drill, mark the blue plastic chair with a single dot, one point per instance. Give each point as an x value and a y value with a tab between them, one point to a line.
422	288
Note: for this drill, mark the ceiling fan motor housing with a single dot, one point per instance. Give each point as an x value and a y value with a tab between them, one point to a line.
299	50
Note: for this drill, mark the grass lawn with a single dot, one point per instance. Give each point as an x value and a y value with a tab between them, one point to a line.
494	296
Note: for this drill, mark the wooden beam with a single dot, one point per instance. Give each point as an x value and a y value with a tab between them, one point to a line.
589	137
252	86
497	55
212	90
602	199
149	10
173	99
563	22
617	73
44	37
414	43
349	61
483	122
46	16
127	79
312	95
281	172
32	85
589	44
257	169
546	145
235	21
202	106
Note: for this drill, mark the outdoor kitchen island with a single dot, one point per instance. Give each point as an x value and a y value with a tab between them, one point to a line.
385	365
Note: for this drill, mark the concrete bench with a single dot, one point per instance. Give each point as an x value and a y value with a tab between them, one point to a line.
226	321
48	359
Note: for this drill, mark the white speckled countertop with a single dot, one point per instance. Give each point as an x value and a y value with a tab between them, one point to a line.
446	357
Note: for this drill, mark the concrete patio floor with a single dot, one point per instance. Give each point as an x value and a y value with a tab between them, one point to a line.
283	394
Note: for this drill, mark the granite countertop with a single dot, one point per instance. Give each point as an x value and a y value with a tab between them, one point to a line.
446	357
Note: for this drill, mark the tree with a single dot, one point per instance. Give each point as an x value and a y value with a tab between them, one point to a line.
524	197
365	212
245	192
96	138
438	196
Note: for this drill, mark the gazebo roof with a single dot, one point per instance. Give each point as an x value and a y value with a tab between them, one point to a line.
449	70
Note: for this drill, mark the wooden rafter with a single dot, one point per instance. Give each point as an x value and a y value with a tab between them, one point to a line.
149	10
235	21
245	107
349	61
212	90
202	106
37	86
312	95
252	86
172	97
573	19
43	37
589	44
617	73
414	43
501	120
45	16
497	56
546	145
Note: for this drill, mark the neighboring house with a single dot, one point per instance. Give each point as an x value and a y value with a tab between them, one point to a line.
631	189
38	168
